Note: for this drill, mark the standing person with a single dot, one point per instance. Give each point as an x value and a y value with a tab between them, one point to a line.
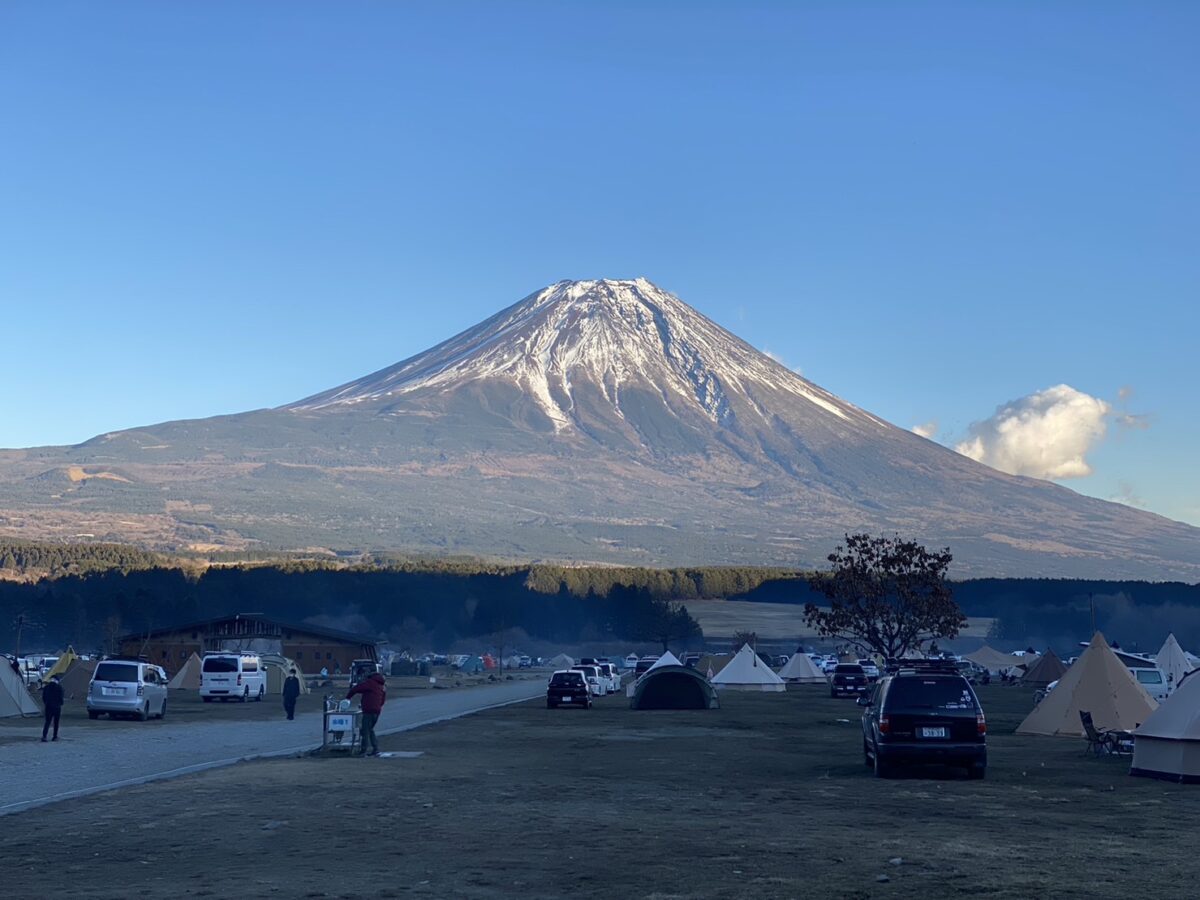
291	690
52	700
374	694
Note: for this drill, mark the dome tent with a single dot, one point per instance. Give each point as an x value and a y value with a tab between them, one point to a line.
673	687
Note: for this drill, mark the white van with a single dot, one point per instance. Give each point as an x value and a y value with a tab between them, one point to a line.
232	676
1155	683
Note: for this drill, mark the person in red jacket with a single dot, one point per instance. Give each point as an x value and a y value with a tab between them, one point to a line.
373	690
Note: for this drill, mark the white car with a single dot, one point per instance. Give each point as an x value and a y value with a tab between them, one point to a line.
1154	681
130	687
232	676
870	668
597	685
609	671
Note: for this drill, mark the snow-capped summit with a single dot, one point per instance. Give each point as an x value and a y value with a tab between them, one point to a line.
608	338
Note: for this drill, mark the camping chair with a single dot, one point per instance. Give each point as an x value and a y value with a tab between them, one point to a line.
1104	742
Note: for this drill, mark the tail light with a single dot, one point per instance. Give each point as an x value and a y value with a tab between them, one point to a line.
239	681
884	725
980	723
141	690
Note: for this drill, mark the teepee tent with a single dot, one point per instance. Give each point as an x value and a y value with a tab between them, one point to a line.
667	659
562	661
1173	661
78	681
800	669
1098	683
15	699
746	672
1048	668
188	677
1167	745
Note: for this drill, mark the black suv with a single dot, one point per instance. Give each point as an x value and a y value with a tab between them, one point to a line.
568	688
847	678
924	715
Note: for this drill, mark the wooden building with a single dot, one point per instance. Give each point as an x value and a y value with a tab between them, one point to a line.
310	646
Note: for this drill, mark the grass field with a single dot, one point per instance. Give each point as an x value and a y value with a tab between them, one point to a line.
766	798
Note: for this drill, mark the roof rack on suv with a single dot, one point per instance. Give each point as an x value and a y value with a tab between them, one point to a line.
122	657
931	666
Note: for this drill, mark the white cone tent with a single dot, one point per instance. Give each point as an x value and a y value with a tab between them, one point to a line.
562	661
15	699
1167	745
1173	661
1097	683
802	670
188	677
746	672
667	659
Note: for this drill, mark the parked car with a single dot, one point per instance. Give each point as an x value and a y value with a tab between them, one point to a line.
524	662
828	664
847	679
870	668
567	687
232	676
1154	681
611	675
360	670
591	675
923	715
127	686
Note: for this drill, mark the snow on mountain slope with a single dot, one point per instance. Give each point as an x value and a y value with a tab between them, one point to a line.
608	333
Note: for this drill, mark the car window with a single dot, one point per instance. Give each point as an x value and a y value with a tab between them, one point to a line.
116	672
564	680
220	664
848	669
931	693
1148	676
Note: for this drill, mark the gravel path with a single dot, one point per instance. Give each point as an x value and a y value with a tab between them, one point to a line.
33	774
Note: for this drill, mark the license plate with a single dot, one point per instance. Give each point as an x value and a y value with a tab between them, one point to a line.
566	699
933	732
112	692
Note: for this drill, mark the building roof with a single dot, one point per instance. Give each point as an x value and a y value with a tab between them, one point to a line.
348	637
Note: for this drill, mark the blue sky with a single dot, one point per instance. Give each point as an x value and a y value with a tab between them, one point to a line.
931	209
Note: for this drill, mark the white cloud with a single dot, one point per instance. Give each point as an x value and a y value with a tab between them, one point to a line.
1047	434
926	429
779	359
1126	494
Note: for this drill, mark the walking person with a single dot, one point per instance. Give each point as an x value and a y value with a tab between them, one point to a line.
52	701
373	690
291	691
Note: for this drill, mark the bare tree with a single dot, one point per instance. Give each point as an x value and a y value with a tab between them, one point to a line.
886	595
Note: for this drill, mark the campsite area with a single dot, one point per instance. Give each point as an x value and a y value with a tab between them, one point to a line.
765	797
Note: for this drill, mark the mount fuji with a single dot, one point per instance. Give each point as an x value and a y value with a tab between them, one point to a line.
600	421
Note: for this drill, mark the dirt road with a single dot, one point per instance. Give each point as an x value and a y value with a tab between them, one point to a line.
195	736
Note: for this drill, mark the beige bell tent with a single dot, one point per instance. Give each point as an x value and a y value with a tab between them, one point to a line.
800	669
1097	683
1167	745
562	661
746	672
188	677
993	660
1048	668
1173	661
78	681
15	699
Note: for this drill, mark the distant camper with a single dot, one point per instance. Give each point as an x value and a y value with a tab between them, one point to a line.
232	676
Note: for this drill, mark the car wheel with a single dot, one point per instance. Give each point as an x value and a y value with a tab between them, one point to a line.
976	772
882	769
262	690
92	714
245	693
162	712
144	712
867	755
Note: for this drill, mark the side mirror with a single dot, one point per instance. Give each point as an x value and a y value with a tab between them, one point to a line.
863	700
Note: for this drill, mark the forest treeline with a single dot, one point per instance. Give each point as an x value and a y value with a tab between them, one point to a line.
85	591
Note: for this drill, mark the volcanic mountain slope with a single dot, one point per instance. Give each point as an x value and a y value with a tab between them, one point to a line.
595	421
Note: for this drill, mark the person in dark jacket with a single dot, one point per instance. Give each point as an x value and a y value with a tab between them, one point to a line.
291	690
373	690
52	701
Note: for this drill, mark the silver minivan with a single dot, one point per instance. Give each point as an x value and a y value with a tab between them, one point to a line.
127	687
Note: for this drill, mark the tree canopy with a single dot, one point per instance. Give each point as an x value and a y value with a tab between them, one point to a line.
886	595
